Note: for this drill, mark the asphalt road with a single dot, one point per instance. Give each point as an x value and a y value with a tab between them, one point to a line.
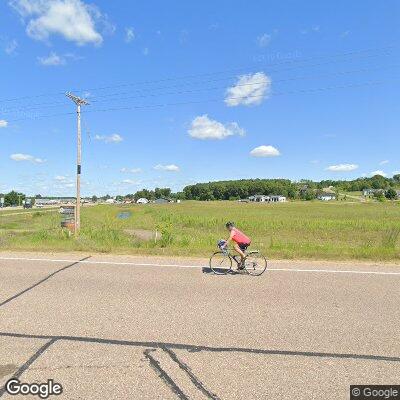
109	327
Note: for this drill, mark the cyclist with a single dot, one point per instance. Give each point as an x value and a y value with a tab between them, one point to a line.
242	242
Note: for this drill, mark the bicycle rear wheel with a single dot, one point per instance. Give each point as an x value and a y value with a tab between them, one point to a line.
220	263
255	263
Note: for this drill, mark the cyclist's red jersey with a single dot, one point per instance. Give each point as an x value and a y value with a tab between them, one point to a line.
239	237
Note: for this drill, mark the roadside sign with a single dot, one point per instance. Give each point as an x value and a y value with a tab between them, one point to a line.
67	210
68	217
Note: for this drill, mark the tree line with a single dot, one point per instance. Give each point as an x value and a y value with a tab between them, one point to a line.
244	188
303	189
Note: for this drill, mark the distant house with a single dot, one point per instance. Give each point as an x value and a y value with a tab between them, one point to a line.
277	199
326	196
368	192
49	202
110	201
260	198
371	192
162	200
142	200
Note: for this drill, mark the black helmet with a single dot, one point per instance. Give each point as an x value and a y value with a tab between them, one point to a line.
230	224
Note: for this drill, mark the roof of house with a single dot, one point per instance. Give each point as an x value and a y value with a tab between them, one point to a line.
327	195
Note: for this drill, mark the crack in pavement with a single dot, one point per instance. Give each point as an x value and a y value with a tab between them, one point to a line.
199	385
163	375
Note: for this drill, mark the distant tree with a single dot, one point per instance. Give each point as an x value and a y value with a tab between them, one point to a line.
38	196
94	199
180	195
144	193
379	182
396	178
162	192
308	194
391	194
13	198
379	195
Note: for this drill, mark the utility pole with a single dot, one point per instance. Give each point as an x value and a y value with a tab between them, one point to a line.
79	102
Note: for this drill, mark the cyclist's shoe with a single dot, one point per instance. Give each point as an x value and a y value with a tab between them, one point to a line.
240	267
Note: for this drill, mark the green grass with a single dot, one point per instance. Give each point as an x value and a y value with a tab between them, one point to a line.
319	230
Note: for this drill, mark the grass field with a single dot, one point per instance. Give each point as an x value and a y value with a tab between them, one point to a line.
331	230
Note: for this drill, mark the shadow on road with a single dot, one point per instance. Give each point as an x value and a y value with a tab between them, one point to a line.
222	271
151	347
41	281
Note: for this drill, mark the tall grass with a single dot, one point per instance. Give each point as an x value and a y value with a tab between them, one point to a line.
336	230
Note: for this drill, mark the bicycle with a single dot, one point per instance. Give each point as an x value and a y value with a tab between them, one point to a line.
221	262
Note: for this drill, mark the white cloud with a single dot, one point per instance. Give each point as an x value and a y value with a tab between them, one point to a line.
265	151
203	127
249	90
378	172
170	167
3	123
384	162
11	47
129	35
131	170
72	19
63	179
342	167
263	40
130	182
52	60
115	138
26	157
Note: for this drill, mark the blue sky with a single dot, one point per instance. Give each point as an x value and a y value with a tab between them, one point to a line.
185	92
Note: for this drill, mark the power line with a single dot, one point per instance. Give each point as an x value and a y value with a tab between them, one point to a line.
314	90
356	52
205	89
346	54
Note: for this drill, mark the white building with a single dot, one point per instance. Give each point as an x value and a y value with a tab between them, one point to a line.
260	198
277	199
142	200
326	197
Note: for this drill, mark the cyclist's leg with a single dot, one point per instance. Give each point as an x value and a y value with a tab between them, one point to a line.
240	251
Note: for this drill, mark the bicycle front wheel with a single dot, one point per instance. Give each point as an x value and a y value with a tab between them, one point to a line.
220	263
255	263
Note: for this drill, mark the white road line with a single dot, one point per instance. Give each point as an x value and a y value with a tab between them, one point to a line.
333	271
329	271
